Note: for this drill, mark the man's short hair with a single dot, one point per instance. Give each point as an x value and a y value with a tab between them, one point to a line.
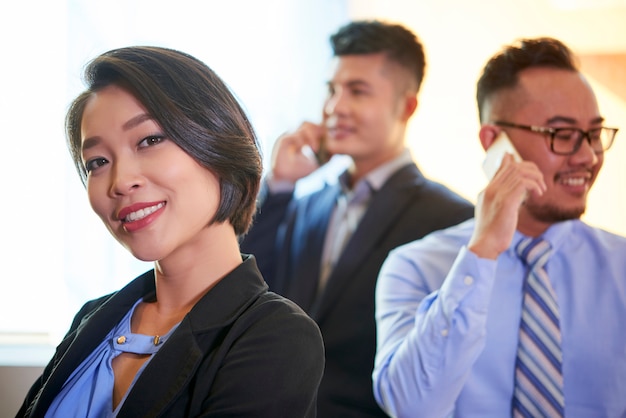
502	70
400	45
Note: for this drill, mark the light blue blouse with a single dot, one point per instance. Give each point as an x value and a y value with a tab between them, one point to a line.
88	392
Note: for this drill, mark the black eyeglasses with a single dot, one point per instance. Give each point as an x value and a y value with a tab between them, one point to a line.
567	141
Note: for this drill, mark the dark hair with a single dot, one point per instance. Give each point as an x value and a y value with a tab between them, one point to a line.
369	37
195	109
502	70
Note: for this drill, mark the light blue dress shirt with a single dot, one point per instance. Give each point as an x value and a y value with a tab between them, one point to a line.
448	323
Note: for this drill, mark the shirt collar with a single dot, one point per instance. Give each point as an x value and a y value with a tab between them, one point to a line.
379	176
556	234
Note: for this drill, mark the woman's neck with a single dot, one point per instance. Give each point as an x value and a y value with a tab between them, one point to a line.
186	275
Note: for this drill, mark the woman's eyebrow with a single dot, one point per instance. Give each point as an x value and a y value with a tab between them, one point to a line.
137	120
130	124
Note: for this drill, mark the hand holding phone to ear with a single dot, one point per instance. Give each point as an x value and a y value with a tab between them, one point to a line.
297	154
498	205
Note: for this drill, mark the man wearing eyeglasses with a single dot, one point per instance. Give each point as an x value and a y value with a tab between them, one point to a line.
519	311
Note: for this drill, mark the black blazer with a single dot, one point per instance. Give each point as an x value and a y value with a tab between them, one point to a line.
241	351
288	237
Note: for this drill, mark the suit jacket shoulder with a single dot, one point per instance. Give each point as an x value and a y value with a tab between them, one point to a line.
238	339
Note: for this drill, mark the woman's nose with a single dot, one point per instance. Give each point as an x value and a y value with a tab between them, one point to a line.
125	178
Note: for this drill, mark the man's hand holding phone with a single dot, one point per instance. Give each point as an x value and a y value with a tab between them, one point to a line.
497	207
297	154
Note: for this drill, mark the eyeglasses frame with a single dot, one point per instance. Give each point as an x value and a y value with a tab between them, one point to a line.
551	133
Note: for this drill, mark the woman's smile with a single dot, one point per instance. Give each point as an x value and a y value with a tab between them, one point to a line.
140	215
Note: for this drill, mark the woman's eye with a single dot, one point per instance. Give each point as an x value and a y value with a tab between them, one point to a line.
150	141
95	163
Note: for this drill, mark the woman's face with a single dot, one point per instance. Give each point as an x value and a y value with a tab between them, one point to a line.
151	195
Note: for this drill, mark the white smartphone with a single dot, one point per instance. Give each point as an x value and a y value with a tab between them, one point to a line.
495	153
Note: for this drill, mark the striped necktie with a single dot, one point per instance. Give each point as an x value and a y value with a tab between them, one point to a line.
538	379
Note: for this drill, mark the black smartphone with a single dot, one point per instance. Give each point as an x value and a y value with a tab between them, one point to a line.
322	155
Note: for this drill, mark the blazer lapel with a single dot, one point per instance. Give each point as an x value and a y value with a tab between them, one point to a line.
304	261
387	204
173	367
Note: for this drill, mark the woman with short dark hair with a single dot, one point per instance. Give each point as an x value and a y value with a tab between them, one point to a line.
172	167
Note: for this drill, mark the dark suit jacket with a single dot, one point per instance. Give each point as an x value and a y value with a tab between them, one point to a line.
241	351
288	237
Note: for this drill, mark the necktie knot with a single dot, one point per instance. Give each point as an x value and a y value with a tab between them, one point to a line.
534	252
359	194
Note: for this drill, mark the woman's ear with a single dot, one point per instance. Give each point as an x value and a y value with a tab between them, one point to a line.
488	134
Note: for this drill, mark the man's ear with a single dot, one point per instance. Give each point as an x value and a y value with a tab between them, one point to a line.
488	134
410	105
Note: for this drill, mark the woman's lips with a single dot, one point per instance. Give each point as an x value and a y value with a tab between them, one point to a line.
141	213
136	207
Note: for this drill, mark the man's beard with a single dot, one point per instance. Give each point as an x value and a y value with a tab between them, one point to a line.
550	214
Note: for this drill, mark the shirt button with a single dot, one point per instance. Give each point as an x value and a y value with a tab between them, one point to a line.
444	332
121	340
468	280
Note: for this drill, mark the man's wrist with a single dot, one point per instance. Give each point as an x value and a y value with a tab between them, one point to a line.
278	185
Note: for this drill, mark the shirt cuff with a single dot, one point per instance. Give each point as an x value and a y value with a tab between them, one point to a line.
470	281
279	186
